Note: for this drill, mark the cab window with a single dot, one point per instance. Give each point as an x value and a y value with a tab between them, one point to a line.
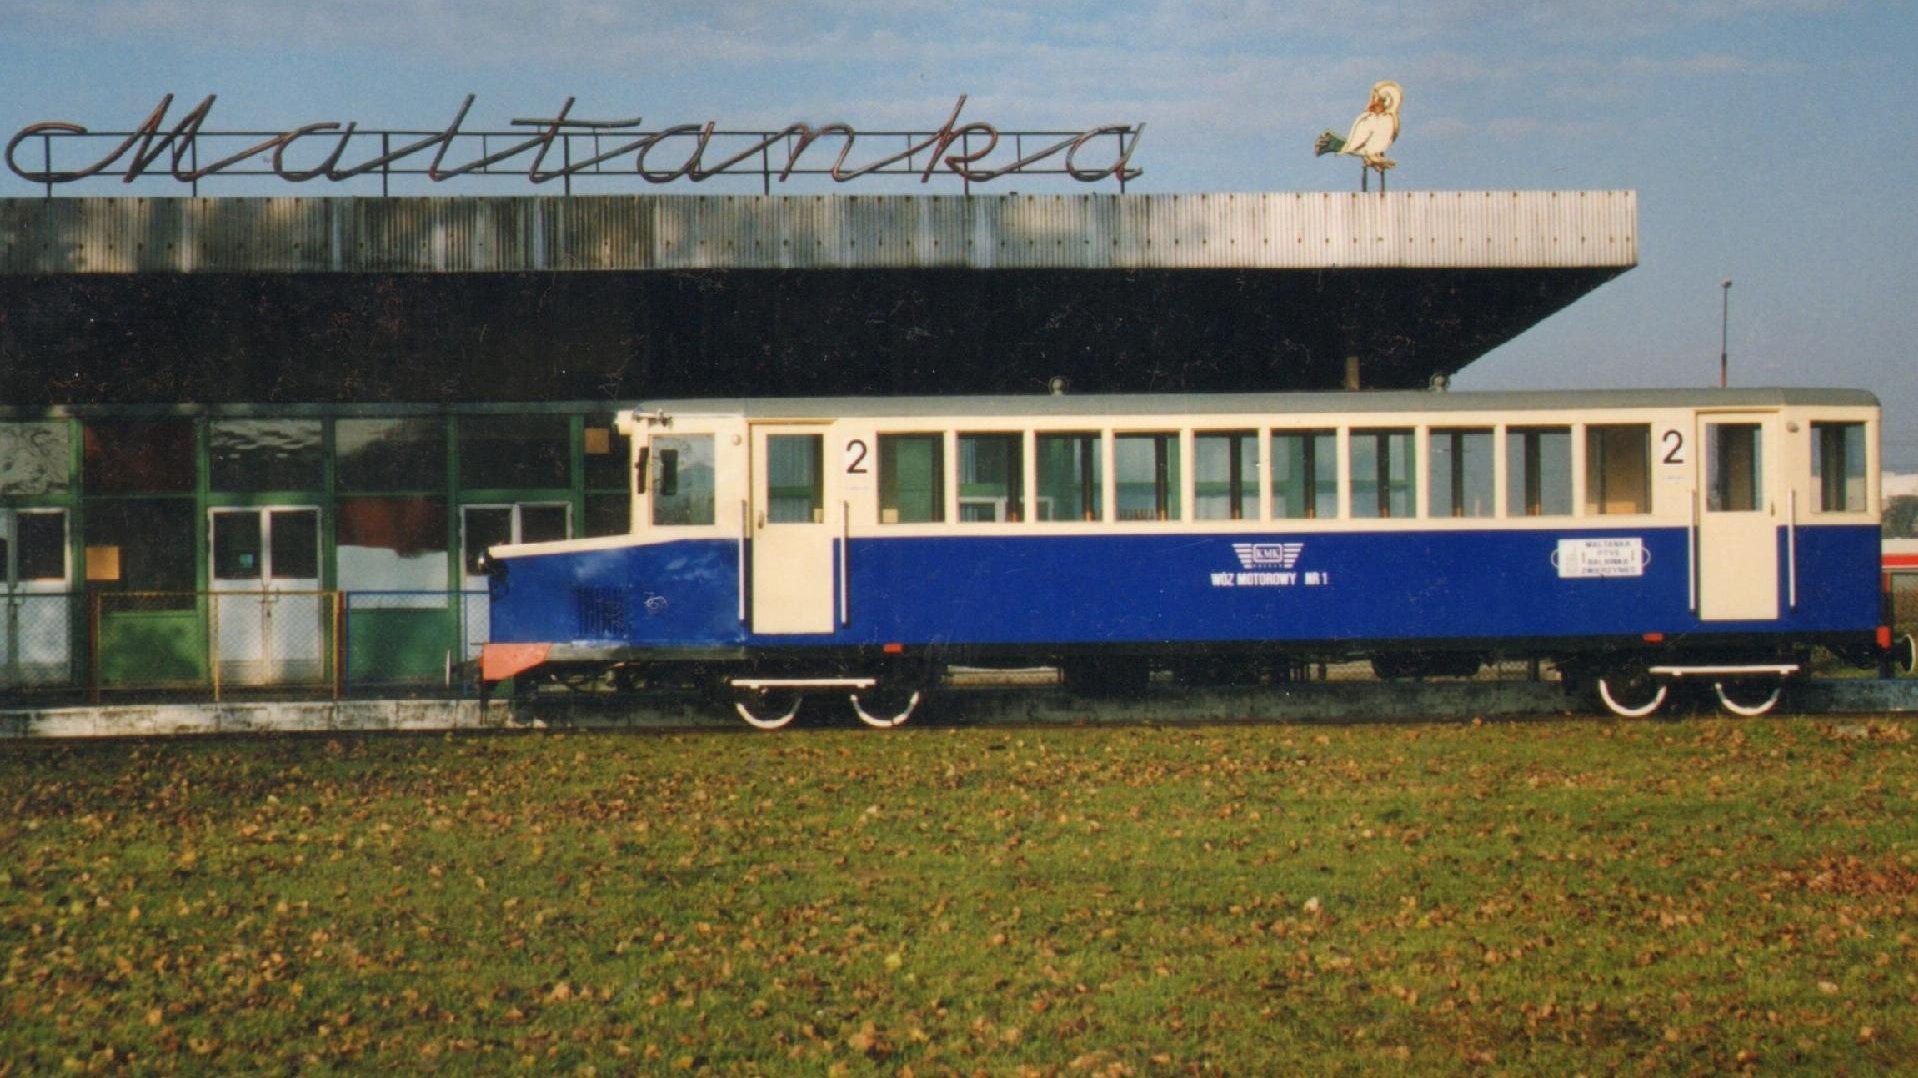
681	473
1838	466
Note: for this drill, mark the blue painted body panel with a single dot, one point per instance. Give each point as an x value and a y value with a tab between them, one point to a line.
1183	588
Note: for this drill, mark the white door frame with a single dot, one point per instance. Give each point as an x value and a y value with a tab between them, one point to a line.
793	585
1738	548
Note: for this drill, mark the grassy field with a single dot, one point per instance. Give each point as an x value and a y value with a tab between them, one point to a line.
1571	896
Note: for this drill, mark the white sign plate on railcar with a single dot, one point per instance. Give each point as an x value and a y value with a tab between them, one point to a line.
1610	557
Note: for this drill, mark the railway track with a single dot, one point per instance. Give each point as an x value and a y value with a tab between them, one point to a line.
978	704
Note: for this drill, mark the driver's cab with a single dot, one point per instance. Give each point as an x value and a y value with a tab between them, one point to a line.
765	485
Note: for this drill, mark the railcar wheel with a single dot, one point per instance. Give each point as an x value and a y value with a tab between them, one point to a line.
890	708
1748	697
1631	692
768	710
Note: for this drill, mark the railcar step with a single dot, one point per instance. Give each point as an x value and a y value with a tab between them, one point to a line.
803	683
1774	669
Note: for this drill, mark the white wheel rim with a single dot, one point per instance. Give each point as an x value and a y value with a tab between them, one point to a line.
1616	708
1910	649
880	722
1748	710
772	723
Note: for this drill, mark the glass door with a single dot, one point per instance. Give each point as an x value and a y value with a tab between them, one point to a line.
271	621
36	632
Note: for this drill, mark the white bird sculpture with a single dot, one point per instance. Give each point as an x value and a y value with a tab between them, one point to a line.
1372	133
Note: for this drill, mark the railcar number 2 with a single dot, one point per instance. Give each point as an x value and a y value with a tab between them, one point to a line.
1674	447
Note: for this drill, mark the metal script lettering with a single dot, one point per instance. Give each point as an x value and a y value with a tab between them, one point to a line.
964	151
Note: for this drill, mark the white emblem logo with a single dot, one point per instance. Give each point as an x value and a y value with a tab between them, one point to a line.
1267	555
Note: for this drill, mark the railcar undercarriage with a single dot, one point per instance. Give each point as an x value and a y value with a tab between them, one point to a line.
768	689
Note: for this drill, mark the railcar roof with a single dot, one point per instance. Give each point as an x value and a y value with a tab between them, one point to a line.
1069	404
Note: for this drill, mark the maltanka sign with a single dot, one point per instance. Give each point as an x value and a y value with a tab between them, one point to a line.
561	147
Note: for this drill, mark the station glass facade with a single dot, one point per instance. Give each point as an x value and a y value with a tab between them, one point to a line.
329	547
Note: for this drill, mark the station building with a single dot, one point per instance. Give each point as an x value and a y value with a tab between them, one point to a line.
259	444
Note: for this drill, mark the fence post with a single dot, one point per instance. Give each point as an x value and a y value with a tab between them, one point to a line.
93	647
339	645
213	641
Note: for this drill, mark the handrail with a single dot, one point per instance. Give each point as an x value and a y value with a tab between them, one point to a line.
745	531
845	556
1691	554
1791	553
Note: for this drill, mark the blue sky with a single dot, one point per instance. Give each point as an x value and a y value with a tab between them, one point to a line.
1770	141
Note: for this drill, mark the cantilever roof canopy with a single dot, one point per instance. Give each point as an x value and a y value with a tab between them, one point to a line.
1275	404
627	297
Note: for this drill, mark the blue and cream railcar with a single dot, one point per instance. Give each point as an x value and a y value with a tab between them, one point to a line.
856	545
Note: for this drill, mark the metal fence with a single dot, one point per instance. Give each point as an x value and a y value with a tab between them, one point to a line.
237	644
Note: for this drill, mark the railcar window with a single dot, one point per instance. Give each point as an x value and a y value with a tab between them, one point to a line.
1305	474
1146	468
1069	477
1734	462
1382	471
1838	466
795	478
1461	479
991	478
912	478
1618	469
1225	469
1538	471
682	479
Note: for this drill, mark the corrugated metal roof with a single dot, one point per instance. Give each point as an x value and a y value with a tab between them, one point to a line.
1400	230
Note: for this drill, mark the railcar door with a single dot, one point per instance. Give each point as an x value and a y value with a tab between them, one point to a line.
1737	518
792	535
